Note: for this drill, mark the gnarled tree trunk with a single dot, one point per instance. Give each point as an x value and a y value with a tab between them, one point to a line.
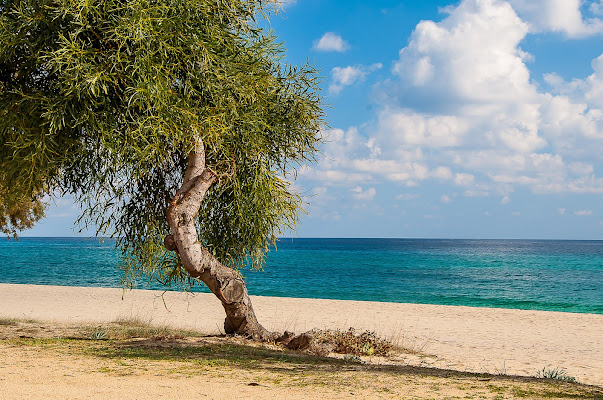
224	282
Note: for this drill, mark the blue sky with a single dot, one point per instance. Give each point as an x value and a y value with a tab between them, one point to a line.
470	119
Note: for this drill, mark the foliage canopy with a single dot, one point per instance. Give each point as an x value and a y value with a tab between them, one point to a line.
19	213
105	99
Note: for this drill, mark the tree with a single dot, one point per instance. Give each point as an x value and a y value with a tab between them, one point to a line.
175	124
18	213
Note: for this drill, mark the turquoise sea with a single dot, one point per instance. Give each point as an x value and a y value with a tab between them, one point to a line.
523	274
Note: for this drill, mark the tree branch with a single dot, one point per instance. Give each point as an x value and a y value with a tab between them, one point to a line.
196	175
196	161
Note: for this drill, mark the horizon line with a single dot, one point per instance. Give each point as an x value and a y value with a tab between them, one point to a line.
342	238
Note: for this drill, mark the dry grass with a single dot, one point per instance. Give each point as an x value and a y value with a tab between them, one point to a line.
15	321
365	343
128	328
133	348
8	321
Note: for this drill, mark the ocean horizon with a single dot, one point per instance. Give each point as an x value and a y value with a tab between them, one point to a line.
537	274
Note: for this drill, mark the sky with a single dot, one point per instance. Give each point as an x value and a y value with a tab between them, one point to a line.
470	119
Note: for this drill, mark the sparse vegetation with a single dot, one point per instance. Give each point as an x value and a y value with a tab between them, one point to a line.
8	321
352	358
15	321
365	343
128	328
140	352
556	373
99	334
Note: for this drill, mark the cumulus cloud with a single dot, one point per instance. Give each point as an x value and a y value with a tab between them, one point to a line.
350	157
563	16
445	199
345	76
441	173
460	80
505	200
464	179
468	59
361	194
331	41
573	112
406	127
461	108
561	211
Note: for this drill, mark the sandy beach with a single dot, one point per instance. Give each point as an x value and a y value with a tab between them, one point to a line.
516	342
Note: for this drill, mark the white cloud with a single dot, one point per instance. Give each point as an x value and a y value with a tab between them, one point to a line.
442	173
516	213
462	108
331	41
505	200
561	211
405	127
478	90
345	76
361	194
596	7
583	213
573	114
391	169
473	54
445	199
351	157
464	179
562	16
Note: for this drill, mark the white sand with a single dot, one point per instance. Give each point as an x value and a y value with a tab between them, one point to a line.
461	338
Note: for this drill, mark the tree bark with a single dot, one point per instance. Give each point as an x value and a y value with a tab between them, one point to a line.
226	283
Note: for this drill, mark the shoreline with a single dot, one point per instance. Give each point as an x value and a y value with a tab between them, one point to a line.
176	291
472	339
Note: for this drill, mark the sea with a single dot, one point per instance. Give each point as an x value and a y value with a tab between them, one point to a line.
551	275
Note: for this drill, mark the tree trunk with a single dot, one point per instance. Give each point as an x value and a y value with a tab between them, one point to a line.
226	283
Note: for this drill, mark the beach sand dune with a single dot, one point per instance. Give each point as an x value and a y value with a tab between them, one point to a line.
518	342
